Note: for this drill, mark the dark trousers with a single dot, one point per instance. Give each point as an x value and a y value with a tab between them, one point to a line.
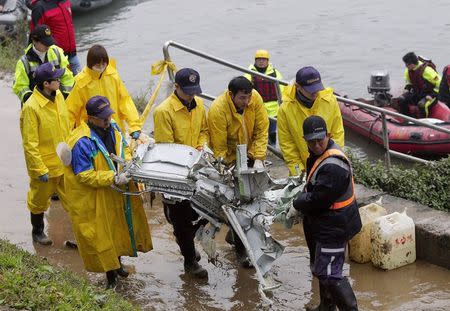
329	261
181	216
272	132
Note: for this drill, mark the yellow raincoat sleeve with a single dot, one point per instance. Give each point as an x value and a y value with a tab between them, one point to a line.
127	109
96	179
291	154
29	127
67	80
258	149
337	126
163	132
204	133
21	84
75	106
217	125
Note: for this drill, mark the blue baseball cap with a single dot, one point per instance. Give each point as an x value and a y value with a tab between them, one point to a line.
43	34
46	72
99	107
309	78
189	81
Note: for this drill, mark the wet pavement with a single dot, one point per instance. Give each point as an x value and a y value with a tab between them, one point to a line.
157	281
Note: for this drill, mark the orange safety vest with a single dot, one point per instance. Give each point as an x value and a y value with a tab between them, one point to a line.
334	156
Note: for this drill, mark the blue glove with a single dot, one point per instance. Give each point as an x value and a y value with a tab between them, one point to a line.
44	178
135	135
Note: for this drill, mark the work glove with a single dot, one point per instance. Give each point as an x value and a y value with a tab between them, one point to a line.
122	178
43	178
135	135
291	211
258	164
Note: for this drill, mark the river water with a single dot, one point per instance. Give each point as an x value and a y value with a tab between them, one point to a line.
345	40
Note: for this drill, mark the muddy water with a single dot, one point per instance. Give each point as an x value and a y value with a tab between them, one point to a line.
157	281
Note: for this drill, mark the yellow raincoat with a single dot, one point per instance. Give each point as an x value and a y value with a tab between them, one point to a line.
175	124
290	125
98	212
228	128
43	125
90	83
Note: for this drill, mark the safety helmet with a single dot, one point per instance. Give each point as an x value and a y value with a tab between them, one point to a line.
262	54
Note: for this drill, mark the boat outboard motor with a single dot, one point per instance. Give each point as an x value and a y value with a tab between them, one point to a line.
380	87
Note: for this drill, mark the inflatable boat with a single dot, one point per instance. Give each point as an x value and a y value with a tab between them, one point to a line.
88	5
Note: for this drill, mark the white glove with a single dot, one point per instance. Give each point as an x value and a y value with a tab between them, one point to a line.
292	212
122	179
258	164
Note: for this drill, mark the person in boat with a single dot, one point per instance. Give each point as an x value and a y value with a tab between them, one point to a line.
100	77
57	14
330	214
267	89
306	97
44	123
107	224
444	91
41	50
238	116
422	85
181	119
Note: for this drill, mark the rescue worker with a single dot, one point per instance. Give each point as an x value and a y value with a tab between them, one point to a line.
41	50
44	123
306	97
422	85
100	77
330	214
267	89
444	91
238	117
57	15
106	223
181	119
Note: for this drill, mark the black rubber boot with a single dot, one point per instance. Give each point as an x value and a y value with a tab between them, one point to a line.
326	301
122	271
37	221
195	269
342	293
111	278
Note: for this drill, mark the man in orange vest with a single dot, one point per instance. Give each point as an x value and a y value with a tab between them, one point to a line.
331	215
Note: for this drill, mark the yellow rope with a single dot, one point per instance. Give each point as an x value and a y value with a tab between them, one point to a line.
158	68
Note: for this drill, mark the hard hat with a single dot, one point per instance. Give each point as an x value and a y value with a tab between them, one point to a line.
262	54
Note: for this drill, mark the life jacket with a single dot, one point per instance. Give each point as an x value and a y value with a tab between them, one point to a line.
444	92
334	155
420	85
267	89
57	15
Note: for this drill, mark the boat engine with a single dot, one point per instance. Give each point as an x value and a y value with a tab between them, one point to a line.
380	87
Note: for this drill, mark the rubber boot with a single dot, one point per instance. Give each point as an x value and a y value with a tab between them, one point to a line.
194	269
122	271
37	221
326	301
343	295
111	278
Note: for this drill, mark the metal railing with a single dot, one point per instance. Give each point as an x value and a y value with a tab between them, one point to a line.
277	152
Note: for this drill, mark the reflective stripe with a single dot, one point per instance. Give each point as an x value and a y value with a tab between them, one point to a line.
338	205
23	92
329	265
65	89
332	250
326	154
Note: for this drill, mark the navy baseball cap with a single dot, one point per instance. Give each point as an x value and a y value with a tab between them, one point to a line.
42	34
309	78
99	107
189	81
47	72
314	127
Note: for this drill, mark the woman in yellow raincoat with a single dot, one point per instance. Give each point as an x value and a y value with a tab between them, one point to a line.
100	77
106	224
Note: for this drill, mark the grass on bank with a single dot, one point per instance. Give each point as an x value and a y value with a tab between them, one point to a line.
427	184
11	48
31	283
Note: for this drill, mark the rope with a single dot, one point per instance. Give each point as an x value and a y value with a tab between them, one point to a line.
158	68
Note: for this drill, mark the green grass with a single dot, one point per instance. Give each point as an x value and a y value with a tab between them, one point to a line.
31	283
426	184
12	48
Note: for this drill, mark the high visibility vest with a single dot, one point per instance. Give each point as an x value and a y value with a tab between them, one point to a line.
334	156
